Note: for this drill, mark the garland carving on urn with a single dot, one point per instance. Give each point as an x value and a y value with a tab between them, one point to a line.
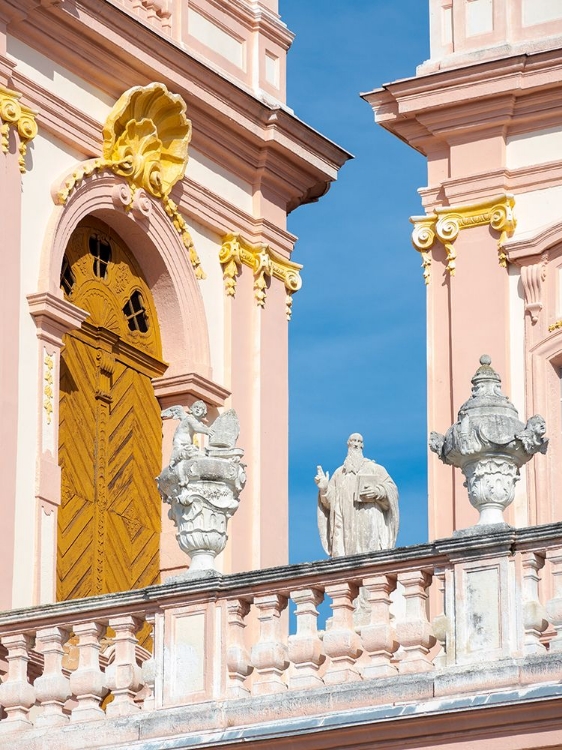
489	444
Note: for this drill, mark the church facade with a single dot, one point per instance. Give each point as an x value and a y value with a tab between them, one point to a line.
149	162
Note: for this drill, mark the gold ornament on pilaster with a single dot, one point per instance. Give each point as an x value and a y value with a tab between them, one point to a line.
48	392
446	223
14	114
145	140
264	263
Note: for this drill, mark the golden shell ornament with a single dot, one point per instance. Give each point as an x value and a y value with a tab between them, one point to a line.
146	138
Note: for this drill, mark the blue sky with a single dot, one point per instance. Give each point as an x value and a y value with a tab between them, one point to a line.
357	338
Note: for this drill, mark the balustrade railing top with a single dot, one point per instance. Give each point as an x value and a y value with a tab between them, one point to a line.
488	602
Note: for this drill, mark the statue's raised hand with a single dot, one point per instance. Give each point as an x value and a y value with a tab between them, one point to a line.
321	479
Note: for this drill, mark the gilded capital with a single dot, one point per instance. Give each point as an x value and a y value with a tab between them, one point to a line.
16	115
446	223
264	263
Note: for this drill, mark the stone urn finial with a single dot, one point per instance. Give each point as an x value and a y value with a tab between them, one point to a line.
489	444
202	485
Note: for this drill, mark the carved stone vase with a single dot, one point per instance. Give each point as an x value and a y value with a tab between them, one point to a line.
202	488
489	444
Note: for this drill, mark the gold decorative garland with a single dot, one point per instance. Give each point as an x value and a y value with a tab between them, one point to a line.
264	263
21	117
446	223
48	392
145	140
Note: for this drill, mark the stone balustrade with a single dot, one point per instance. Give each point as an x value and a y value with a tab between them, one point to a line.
462	616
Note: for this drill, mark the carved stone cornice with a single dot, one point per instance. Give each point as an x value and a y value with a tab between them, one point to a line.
145	140
264	263
54	317
234	127
15	114
446	223
174	389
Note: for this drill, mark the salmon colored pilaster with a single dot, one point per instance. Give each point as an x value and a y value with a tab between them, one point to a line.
53	317
10	276
539	257
258	365
273	428
475	299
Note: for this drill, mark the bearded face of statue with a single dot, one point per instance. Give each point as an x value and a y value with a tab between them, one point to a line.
354	453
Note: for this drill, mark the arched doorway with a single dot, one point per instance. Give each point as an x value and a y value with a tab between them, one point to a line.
109	521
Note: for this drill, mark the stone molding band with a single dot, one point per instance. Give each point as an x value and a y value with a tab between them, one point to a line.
446	223
264	263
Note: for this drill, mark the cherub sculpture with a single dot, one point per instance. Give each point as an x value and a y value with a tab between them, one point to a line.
191	423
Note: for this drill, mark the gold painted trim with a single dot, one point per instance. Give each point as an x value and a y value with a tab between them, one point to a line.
12	112
446	223
145	140
264	263
48	392
555	326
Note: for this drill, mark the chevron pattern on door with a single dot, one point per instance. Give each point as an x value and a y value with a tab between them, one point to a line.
110	438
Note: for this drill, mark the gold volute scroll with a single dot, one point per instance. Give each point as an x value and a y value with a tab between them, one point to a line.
264	263
446	223
145	140
12	113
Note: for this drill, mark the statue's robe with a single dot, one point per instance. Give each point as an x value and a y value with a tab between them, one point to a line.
350	524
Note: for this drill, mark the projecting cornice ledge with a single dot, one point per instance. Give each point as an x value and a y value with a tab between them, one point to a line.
440	104
229	120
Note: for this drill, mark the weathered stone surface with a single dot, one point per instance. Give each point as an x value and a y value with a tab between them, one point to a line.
202	486
489	444
357	506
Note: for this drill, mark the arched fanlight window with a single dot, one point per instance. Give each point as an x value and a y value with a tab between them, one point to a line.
100	249
67	278
135	313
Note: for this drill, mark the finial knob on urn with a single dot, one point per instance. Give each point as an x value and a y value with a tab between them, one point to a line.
489	444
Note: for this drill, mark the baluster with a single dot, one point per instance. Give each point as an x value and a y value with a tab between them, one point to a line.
16	694
52	688
237	657
305	647
414	631
554	605
341	642
123	675
269	654
148	669
378	637
87	682
440	622
534	615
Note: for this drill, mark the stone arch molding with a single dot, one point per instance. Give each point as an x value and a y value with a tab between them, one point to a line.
144	154
143	224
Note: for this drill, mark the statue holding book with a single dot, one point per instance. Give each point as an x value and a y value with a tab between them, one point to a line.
357	506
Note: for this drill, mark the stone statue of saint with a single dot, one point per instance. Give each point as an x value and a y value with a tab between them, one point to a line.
357	506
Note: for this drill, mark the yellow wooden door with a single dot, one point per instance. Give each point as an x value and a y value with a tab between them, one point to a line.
110	428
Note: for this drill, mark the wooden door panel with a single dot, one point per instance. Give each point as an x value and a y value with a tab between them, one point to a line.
110	429
76	527
134	461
